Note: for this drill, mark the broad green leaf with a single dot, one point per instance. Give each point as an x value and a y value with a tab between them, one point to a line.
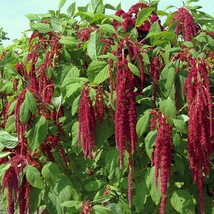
33	177
50	172
188	44
10	125
180	126
114	208
4	154
110	7
24	114
107	28
71	77
179	163
74	132
143	15
57	102
92	5
70	203
38	132
61	4
113	165
143	124
56	25
92	45
8	140
104	131
61	193
94	68
71	9
150	182
35	198
31	102
93	186
42	27
70	89
150	142
163	35
102	75
99	209
102	199
134	69
3	168
183	202
33	17
140	197
183	117
68	40
75	105
168	108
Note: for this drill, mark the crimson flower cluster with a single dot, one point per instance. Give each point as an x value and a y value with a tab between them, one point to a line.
87	124
162	154
200	124
130	17
185	24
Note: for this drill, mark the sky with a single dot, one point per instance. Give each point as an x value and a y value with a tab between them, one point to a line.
14	21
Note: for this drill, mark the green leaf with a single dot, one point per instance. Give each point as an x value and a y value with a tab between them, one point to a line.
150	182
57	102
50	172
10	125
143	15
24	114
68	40
91	46
61	4
168	108
113	165
75	105
56	25
8	140
74	131
110	7
42	27
35	199
3	169
179	163
70	89
141	195
70	203
143	124
4	154
38	132
102	199
93	186
33	177
150	142
163	35
189	44
183	202
180	126
107	28
71	9
33	17
94	68
93	5
31	101
102	75
99	209
134	69
114	208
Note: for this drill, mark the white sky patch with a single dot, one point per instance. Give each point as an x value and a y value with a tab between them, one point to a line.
14	21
